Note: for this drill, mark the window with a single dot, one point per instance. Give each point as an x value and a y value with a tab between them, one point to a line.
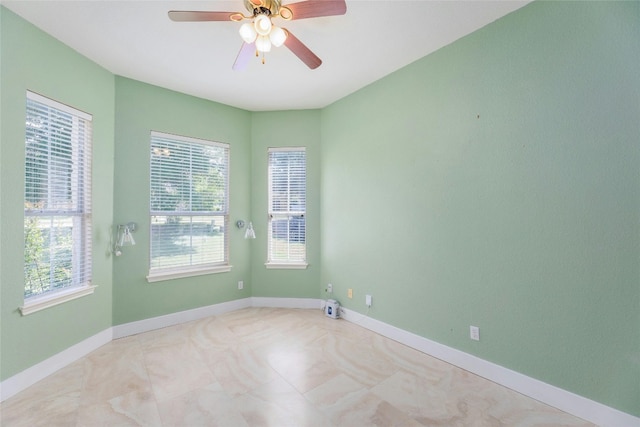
287	208
189	206
57	203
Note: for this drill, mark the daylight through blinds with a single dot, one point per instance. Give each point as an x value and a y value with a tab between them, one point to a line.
189	202
57	197
287	205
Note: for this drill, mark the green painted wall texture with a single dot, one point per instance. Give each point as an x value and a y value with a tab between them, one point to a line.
31	60
141	108
285	129
494	183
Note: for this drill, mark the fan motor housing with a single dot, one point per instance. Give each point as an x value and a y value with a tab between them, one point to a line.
269	7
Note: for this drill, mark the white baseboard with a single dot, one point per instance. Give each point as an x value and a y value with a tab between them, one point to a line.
310	303
15	384
566	401
32	375
146	325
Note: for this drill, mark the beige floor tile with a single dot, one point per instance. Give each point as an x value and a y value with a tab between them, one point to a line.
241	370
114	369
132	409
208	406
355	359
425	399
269	367
349	403
211	333
54	401
277	403
303	369
176	369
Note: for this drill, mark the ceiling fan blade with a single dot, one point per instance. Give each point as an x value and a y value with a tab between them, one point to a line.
244	56
199	16
301	51
315	8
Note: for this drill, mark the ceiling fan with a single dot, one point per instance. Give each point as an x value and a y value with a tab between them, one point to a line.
259	35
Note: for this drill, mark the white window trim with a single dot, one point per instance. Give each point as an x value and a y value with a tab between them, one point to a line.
174	273
37	303
159	274
286	266
191	140
59	106
280	264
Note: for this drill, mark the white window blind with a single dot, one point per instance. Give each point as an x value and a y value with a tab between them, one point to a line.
287	205
189	204
57	197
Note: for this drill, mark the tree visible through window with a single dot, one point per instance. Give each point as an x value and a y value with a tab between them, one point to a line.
287	206
189	203
57	197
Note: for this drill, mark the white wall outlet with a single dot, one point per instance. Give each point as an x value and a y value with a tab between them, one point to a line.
474	333
368	300
240	284
330	288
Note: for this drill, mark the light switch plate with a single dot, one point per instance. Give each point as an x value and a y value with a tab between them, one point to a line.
474	333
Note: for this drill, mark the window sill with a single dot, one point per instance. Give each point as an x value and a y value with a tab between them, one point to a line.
286	265
38	303
159	276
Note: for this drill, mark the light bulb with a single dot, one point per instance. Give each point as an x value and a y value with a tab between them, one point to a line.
262	24
249	233
277	36
126	238
248	33
263	44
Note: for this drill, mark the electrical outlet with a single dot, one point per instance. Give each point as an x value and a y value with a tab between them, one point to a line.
350	293
474	333
240	284
368	300
330	288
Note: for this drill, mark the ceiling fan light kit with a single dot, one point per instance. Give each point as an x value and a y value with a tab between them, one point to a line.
277	36
260	34
263	33
263	44
263	24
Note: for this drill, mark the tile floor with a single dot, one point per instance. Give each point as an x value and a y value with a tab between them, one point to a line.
269	367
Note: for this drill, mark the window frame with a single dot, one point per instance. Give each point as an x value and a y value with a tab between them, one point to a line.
275	262
181	271
79	183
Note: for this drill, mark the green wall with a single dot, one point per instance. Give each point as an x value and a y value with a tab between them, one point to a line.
496	183
285	129
31	60
141	108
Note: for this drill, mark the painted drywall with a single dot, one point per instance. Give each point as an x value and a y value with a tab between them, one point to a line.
32	60
141	108
285	129
495	183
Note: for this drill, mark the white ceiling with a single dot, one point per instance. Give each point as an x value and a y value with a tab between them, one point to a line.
136	39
